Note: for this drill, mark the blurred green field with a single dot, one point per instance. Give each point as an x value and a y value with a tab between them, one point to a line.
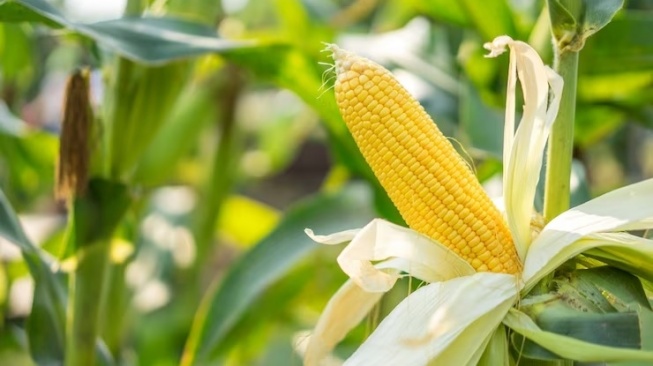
215	141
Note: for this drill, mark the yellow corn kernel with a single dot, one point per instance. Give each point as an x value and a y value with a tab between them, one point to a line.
431	185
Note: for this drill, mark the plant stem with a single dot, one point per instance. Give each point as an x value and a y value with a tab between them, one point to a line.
92	220
86	295
224	164
114	320
561	142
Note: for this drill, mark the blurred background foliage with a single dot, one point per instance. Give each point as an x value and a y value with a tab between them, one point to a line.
216	128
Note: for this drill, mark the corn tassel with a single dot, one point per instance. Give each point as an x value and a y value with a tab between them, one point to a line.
74	145
433	188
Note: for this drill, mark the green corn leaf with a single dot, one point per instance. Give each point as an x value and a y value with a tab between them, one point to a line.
45	326
628	260
572	348
444	10
563	23
598	14
496	352
10	227
623	47
574	21
578	286
99	211
147	40
623	289
16	55
601	305
491	18
620	330
157	40
46	323
179	131
143	96
19	11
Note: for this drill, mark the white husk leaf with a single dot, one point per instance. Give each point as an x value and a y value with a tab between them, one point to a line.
300	343
523	152
345	310
625	208
433	318
333	239
412	252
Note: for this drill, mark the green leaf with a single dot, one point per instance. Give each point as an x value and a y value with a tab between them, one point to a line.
646	325
615	329
45	326
599	305
491	18
141	100
157	40
563	23
28	163
578	292
13	349
624	289
98	212
496	352
16	55
444	10
10	227
598	14
15	11
623	47
569	347
193	111
573	21
631	261
293	17
268	261
46	323
147	40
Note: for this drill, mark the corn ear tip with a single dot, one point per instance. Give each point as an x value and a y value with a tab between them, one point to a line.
342	58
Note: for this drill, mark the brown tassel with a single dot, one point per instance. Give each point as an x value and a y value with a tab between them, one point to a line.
74	143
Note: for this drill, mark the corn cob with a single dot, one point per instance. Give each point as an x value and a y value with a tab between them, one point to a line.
431	185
